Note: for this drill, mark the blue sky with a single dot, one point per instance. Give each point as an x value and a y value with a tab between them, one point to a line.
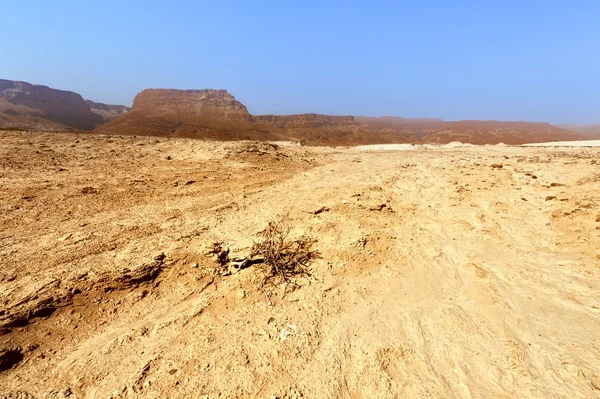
506	60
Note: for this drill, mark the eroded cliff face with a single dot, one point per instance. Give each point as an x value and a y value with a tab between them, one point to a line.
197	103
26	105
205	114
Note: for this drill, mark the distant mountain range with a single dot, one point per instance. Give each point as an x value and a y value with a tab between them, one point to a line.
216	114
591	132
27	106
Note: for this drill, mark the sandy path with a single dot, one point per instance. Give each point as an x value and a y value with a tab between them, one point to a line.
470	282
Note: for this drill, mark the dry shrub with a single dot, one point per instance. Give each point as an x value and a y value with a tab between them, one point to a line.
283	258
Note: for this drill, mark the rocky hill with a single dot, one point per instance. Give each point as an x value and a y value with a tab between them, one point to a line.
216	114
205	114
106	111
27	106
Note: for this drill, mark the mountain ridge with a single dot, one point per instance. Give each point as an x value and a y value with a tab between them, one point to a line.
28	106
217	115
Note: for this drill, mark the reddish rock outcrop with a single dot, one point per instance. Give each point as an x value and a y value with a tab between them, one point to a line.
206	114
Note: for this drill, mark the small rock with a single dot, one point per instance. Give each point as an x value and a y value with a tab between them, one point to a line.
31	347
557	185
194	265
497	166
89	190
550	198
377	207
321	210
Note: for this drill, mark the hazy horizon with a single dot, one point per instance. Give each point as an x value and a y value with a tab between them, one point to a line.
459	61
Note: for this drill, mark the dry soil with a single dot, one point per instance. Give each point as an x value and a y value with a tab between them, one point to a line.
457	272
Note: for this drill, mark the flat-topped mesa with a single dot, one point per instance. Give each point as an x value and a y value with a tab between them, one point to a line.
199	102
206	114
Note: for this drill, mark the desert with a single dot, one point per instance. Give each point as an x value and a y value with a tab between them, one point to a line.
443	271
299	200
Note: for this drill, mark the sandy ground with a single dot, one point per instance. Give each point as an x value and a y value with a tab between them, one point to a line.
583	143
440	276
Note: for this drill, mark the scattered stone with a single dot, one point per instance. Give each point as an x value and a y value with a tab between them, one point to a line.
557	185
89	190
31	347
497	166
189	182
550	198
219	251
524	199
17	395
168	158
194	265
321	210
379	207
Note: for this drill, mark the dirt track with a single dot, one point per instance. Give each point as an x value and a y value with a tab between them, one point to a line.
440	275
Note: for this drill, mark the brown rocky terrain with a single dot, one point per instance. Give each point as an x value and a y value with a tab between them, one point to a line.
444	271
216	114
27	106
396	120
204	114
106	111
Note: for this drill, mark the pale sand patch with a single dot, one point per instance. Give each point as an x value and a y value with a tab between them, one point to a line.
583	143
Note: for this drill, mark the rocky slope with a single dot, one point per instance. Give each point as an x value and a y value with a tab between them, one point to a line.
106	111
27	106
216	114
24	105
